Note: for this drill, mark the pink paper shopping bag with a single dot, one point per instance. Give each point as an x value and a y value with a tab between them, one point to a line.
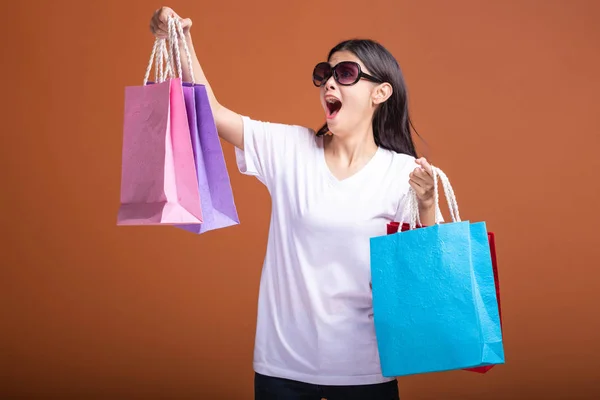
158	180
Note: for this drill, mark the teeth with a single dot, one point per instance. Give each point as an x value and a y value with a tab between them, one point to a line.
331	100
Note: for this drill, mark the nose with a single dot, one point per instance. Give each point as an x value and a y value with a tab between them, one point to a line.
330	83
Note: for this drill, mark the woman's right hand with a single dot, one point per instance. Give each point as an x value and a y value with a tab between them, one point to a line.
158	23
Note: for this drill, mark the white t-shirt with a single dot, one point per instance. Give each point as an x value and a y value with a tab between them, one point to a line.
315	316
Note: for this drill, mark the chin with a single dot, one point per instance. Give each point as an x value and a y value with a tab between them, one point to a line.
337	130
337	127
333	127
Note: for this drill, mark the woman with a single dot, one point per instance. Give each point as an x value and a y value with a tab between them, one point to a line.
331	191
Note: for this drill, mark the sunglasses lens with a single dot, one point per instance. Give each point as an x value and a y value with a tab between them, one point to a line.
321	73
347	73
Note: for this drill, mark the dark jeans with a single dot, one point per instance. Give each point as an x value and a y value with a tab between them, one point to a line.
269	388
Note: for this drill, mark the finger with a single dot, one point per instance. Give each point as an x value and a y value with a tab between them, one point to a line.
424	185
424	164
164	13
186	23
415	185
417	188
414	174
419	171
421	176
421	192
155	25
158	32
157	20
163	22
422	182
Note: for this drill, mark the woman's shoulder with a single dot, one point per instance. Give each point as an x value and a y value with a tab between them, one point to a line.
395	170
399	162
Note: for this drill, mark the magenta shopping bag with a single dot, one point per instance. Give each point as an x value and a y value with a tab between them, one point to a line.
158	180
218	206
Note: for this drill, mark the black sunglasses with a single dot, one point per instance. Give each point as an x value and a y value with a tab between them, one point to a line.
346	73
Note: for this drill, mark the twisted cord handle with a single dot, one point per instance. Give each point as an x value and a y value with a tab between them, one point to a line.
411	209
163	55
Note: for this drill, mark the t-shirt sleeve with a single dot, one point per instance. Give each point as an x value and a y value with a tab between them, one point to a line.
267	146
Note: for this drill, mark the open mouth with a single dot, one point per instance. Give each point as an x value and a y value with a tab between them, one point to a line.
333	107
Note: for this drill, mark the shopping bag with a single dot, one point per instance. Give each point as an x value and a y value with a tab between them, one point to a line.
218	206
393	227
158	177
434	299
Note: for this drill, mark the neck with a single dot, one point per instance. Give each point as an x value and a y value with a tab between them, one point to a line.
351	149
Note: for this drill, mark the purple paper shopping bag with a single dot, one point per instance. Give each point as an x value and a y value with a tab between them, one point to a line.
218	206
158	179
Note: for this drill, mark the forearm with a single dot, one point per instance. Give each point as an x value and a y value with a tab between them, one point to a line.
229	123
199	76
427	214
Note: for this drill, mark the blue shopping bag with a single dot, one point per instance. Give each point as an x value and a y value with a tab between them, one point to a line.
434	297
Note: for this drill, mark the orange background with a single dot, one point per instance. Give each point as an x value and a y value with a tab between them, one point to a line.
505	94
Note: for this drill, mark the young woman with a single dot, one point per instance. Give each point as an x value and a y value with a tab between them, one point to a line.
331	191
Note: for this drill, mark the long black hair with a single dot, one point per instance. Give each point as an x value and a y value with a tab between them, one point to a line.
391	122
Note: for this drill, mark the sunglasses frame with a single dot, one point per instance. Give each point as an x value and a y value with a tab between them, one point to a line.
359	76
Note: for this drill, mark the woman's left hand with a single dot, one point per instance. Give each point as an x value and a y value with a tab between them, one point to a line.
421	180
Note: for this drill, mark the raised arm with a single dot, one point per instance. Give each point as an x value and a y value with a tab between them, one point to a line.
229	124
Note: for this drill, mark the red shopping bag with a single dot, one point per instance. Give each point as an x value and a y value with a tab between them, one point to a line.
392	228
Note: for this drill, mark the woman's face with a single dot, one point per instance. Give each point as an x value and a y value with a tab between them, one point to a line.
347	108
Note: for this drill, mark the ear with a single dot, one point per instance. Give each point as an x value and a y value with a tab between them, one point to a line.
381	93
